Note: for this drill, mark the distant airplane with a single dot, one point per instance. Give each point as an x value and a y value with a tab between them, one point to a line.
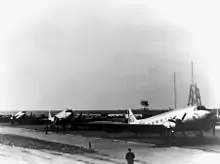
23	118
62	118
17	116
61	115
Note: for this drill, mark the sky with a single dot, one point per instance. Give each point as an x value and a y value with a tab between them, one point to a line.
107	54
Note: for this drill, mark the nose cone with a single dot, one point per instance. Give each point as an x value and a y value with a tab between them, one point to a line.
212	114
202	114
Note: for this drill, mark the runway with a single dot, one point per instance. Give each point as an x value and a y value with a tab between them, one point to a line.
111	148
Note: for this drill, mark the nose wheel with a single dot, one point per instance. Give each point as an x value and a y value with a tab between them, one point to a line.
166	136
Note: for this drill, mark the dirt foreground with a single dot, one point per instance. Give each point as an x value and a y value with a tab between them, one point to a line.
19	149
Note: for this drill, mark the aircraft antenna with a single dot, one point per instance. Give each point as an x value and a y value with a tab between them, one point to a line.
175	97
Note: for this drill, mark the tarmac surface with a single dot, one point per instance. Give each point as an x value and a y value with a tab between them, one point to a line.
109	148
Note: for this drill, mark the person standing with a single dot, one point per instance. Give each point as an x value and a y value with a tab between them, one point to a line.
130	156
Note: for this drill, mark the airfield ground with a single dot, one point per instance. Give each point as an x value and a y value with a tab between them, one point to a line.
31	145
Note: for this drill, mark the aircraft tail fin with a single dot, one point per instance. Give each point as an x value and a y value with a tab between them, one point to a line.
131	117
50	117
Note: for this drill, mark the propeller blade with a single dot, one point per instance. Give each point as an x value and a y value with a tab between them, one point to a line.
177	121
172	120
183	117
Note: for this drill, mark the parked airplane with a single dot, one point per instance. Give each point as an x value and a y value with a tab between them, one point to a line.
193	118
17	116
62	118
61	115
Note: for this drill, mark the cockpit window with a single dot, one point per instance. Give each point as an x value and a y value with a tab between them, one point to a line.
69	110
203	108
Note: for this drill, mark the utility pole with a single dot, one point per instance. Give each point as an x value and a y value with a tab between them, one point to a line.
175	98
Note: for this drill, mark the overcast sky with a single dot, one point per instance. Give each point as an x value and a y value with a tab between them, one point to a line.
107	54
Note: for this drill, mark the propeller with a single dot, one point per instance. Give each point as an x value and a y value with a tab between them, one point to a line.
178	121
183	117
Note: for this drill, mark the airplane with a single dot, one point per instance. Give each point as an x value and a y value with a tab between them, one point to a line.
17	116
61	115
193	118
67	117
62	118
22	117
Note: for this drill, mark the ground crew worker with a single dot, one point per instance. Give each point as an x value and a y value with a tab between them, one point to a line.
130	156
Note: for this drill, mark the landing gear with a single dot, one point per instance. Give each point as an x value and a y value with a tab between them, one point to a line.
213	130
166	135
199	134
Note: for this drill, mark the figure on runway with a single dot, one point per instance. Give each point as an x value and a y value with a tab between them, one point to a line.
130	156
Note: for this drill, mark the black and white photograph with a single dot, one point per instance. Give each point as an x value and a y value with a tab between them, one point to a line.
109	82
